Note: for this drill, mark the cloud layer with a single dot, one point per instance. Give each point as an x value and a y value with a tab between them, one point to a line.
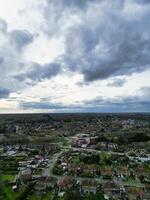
134	103
4	93
104	43
117	43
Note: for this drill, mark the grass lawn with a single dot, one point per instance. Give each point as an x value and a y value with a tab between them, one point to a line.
38	197
7	177
11	195
20	158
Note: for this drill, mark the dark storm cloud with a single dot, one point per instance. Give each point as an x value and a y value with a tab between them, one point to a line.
108	39
103	50
4	93
102	39
80	4
58	13
20	38
143	1
40	72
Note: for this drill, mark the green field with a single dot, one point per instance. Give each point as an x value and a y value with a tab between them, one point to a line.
7	177
39	197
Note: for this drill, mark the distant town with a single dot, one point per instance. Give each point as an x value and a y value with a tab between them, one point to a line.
75	156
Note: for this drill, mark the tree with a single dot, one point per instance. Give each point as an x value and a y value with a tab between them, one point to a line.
72	195
91	196
2	193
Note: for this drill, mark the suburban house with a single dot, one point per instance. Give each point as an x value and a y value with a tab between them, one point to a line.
65	182
88	186
26	175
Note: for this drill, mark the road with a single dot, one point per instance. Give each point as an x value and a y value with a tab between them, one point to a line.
93	150
48	169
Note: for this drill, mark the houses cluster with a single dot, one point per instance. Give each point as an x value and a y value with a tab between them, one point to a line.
29	170
44	184
46	147
117	177
93	162
92	141
30	165
11	150
84	140
108	188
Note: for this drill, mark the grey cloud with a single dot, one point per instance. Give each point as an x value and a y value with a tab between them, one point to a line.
58	13
145	91
4	92
42	105
143	1
136	103
1	60
80	4
99	104
108	47
16	73
102	40
106	42
3	26
39	72
117	82
20	38
11	62
103	43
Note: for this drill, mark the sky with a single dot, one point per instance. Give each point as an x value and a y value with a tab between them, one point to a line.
74	56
